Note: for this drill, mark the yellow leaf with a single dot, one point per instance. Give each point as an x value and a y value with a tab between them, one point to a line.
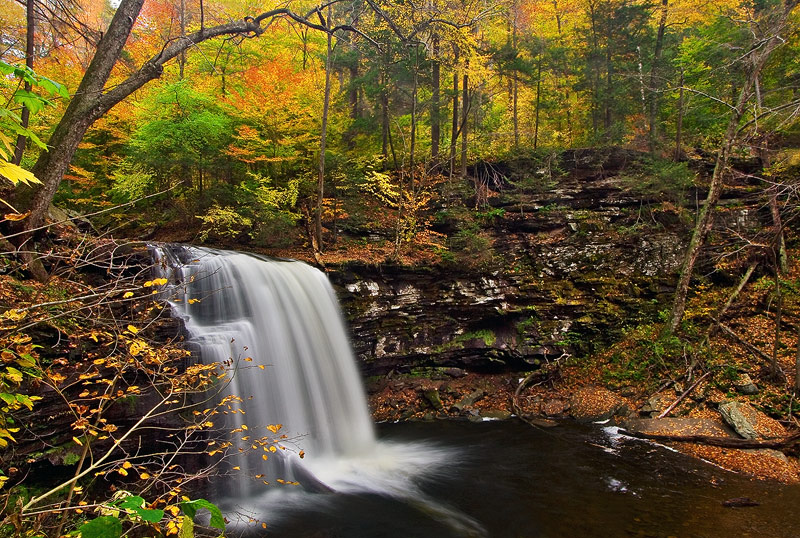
274	427
273	449
14	315
123	472
133	329
77	441
16	174
127	465
127	295
144	476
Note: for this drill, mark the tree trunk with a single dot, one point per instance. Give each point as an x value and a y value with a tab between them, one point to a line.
25	116
797	364
385	120
323	139
774	367
83	110
759	54
182	57
413	149
679	121
464	118
654	85
538	101
435	101
454	129
515	76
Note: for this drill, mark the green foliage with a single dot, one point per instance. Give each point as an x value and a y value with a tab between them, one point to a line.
11	122
131	508
223	223
190	508
659	178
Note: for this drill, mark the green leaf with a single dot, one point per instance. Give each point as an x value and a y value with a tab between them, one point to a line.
7	398
135	504
102	527
190	508
26	360
53	87
25	400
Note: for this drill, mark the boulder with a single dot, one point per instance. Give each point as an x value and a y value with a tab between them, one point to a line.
469	399
495	414
745	385
750	423
433	398
590	404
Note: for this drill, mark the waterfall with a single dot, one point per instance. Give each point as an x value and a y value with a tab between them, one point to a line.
277	323
277	327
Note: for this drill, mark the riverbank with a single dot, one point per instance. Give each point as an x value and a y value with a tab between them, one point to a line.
569	393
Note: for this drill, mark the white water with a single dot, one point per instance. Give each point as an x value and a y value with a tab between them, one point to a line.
252	312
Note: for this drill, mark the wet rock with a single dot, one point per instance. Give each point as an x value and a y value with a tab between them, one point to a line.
495	414
738	502
433	398
455	372
590	404
749	422
469	399
745	385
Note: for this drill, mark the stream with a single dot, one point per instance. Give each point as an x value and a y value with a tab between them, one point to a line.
506	479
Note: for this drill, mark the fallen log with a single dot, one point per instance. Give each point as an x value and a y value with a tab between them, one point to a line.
724	442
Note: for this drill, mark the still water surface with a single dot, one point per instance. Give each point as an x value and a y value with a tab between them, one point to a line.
506	479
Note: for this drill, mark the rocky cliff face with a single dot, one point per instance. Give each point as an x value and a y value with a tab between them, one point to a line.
564	267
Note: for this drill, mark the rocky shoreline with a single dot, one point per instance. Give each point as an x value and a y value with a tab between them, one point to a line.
451	393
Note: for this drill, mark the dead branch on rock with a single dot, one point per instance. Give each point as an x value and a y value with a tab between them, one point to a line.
724	442
686	393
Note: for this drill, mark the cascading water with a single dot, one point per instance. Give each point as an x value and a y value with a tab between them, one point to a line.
277	324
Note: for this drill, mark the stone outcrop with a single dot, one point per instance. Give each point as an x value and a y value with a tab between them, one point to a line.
567	257
750	423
